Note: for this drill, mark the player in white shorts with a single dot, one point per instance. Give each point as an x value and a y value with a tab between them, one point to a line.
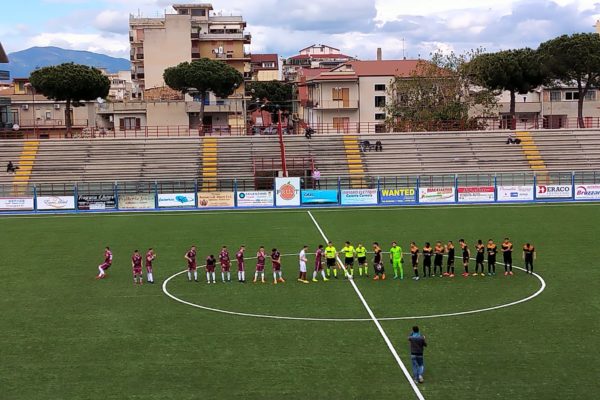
302	261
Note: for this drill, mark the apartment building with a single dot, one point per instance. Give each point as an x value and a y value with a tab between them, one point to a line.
313	57
552	108
191	32
121	86
265	67
353	94
6	121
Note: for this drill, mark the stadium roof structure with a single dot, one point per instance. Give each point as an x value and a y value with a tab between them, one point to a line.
3	56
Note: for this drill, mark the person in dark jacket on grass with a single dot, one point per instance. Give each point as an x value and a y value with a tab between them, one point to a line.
417	345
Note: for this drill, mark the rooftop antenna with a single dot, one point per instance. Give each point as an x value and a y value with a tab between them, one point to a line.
403	49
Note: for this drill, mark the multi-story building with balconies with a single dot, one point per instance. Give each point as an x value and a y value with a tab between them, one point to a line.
192	32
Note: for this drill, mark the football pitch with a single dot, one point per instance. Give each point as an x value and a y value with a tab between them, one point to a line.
66	335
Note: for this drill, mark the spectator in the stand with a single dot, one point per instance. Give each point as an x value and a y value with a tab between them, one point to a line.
365	145
378	146
512	140
11	168
316	175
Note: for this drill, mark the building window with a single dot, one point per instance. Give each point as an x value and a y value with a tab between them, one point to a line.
268	65
48	115
380	101
130	123
379	117
571	96
555	95
590	95
198	12
380	88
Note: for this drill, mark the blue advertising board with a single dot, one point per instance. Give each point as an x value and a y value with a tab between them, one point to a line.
319	197
398	196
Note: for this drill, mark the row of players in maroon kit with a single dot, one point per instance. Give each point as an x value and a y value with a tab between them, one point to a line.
136	265
225	262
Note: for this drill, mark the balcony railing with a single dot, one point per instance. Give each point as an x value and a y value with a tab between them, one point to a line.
332	104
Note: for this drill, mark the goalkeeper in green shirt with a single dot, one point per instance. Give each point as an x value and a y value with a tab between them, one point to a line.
396	259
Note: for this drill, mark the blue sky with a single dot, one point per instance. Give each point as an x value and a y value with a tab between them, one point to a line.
285	26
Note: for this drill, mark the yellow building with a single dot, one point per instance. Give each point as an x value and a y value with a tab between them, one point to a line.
192	32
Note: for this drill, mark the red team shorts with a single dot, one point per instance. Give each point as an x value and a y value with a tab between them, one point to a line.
137	271
149	268
210	268
260	267
192	267
277	267
225	267
240	266
105	266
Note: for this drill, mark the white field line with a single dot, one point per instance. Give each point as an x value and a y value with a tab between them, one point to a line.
325	319
385	337
171	213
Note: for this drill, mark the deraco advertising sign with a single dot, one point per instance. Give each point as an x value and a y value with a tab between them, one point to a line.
587	192
436	194
398	196
554	191
476	194
515	193
287	191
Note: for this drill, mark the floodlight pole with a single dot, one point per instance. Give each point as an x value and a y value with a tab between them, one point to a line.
281	144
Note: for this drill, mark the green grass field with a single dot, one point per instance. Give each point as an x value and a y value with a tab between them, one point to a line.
65	335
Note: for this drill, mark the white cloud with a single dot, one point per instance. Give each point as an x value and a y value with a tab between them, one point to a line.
112	21
114	45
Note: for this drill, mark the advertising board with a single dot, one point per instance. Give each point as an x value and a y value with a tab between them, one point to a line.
287	191
255	199
515	193
16	203
355	197
143	201
216	199
176	200
476	194
554	191
431	195
96	202
398	196
319	196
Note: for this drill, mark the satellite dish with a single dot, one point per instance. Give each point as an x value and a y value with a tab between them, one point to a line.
100	100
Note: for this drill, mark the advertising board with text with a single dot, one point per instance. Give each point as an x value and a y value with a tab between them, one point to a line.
176	200
96	202
356	197
587	192
255	199
216	199
47	203
398	196
515	193
16	203
144	201
554	191
476	194
319	196
437	194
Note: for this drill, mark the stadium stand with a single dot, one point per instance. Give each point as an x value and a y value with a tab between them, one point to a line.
227	158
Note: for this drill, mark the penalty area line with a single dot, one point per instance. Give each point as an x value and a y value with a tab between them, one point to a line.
384	335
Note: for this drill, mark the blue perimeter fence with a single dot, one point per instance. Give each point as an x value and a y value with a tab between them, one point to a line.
302	192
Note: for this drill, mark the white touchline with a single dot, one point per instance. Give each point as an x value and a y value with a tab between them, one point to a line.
386	339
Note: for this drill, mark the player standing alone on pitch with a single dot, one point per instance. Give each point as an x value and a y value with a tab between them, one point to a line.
427	253
330	256
319	264
190	256
361	255
450	261
239	256
225	265
492	249
211	264
414	259
417	347
276	261
529	257
261	258
378	263
479	258
507	248
108	258
396	260
136	265
150	256
302	260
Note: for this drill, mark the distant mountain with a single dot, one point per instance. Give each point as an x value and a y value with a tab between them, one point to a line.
22	63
